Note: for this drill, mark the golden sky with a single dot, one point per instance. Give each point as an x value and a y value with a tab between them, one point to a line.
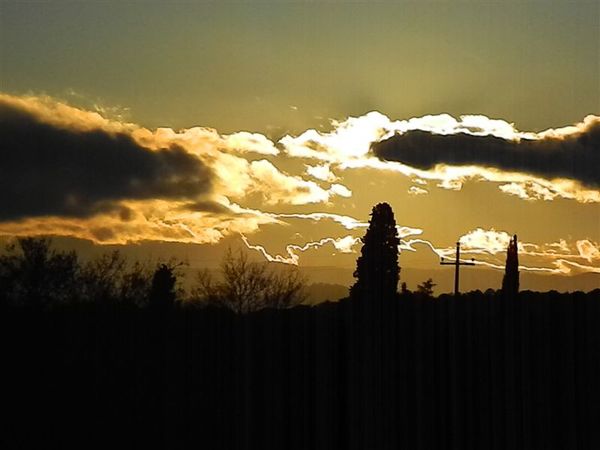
277	126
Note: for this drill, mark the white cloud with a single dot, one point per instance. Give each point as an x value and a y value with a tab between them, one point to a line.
341	190
148	220
404	231
343	245
491	241
350	223
348	146
250	142
528	190
321	172
277	187
415	190
588	249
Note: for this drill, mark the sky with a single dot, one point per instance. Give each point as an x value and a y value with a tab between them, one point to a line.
276	126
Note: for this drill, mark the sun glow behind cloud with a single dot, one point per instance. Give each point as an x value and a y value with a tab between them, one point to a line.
348	146
241	187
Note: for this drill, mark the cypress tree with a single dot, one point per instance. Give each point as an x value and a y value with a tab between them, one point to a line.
510	282
377	271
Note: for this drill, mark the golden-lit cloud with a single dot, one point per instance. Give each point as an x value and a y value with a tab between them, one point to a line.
416	190
488	249
588	249
490	241
278	187
73	172
528	190
61	115
321	172
55	167
553	163
70	172
454	177
152	220
349	223
343	245
556	257
244	141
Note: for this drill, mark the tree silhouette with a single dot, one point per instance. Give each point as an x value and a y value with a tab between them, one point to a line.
377	272
33	275
110	280
100	278
245	287
162	291
425	289
510	282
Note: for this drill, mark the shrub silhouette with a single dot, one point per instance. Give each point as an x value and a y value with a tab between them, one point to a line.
425	289
245	287
377	271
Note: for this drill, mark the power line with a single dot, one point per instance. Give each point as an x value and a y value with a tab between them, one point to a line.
457	263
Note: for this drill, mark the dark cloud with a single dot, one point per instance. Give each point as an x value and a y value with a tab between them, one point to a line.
208	206
576	156
50	170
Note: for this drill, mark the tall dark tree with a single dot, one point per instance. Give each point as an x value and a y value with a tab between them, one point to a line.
162	290
377	271
510	282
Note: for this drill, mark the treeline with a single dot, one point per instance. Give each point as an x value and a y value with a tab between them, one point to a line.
36	277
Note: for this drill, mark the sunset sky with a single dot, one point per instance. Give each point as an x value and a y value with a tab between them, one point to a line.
276	126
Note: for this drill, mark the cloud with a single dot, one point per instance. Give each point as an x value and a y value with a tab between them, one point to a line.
349	223
236	175
528	190
454	177
149	220
415	190
487	245
70	172
556	257
64	168
566	267
58	160
404	231
550	155
491	241
278	187
321	172
352	138
246	142
588	249
343	245
534	166
341	190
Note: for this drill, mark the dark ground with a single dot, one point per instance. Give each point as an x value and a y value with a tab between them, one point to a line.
480	372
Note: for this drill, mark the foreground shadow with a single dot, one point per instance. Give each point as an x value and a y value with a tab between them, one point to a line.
478	371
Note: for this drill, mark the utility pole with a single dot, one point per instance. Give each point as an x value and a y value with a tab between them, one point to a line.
457	263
